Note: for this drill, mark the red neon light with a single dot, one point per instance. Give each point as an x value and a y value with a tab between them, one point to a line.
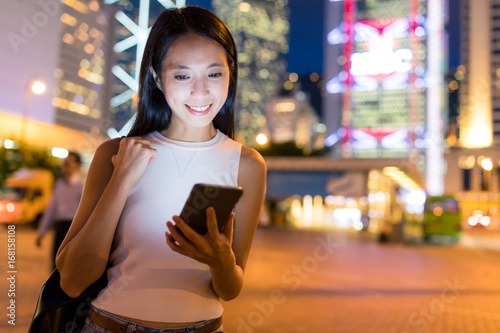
380	25
349	21
413	95
378	133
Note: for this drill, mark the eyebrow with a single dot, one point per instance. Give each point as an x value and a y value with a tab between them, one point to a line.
187	67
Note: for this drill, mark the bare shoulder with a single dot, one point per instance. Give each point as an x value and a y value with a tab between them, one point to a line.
101	166
252	163
106	150
109	147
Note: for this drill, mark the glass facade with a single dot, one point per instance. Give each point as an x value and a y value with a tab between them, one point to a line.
260	29
85	56
384	81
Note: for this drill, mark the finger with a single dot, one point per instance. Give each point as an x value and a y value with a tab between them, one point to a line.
140	141
179	237
172	243
212	226
229	227
145	153
113	159
174	233
187	231
148	153
177	242
152	157
137	142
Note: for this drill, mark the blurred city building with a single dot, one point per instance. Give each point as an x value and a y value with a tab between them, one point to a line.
473	159
81	96
291	118
479	124
384	115
260	28
384	73
133	20
64	46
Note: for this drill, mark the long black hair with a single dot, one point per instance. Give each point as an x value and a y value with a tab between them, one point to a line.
153	112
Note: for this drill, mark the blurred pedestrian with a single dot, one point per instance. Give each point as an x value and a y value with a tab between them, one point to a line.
63	204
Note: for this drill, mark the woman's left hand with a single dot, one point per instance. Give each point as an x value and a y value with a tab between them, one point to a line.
213	249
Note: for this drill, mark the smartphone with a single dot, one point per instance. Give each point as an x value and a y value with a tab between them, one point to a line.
221	198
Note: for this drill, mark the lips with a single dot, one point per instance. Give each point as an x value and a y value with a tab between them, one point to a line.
199	110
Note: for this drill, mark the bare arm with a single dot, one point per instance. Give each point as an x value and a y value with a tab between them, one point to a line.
252	177
226	253
116	167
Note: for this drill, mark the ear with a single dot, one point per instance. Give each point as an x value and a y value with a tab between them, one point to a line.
155	77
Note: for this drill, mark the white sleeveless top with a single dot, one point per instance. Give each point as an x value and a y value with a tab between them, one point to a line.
147	280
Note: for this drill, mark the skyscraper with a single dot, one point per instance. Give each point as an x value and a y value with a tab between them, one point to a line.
134	19
384	68
479	123
260	28
84	67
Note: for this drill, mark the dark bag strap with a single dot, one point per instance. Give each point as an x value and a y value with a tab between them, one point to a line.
57	312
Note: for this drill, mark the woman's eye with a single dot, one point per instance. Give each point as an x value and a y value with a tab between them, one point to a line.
181	77
215	75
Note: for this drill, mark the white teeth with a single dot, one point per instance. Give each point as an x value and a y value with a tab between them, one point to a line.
199	108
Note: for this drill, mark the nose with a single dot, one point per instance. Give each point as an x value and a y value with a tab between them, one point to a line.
199	87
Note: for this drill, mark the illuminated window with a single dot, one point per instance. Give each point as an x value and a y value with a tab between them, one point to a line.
83	36
84	63
76	5
94	5
68	19
84	27
88	48
68	39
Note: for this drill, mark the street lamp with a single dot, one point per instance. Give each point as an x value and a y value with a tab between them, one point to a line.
38	87
261	139
32	86
487	166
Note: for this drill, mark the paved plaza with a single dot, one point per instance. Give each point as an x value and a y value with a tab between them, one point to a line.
323	281
331	282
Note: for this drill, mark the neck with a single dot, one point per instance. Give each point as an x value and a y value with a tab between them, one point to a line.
190	134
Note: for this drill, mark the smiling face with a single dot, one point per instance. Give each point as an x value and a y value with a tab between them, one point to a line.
195	81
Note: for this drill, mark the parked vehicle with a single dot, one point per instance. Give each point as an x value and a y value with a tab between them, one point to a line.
442	220
25	196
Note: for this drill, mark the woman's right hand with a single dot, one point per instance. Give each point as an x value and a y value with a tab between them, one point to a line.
134	155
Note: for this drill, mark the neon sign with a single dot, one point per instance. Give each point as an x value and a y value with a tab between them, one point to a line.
384	77
387	58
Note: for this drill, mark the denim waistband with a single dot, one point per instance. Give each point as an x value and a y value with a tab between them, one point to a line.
137	326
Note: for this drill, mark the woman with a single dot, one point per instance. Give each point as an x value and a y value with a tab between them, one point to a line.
182	136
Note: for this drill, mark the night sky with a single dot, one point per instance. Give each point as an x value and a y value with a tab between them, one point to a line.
454	35
307	34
